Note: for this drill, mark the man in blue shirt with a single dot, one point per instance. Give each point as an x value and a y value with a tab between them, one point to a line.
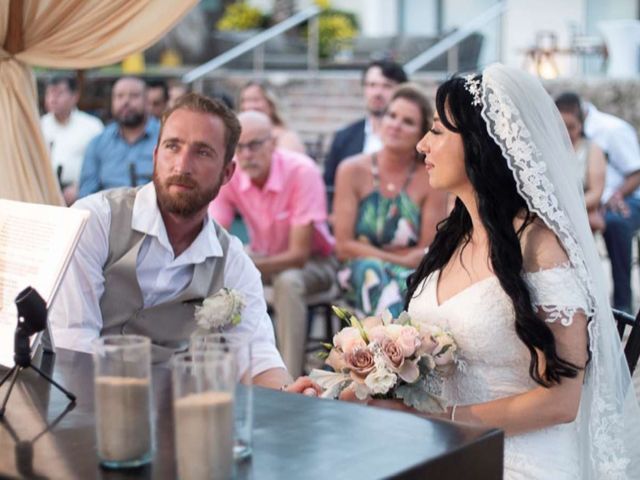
123	153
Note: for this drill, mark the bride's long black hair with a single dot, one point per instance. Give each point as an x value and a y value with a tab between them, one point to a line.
498	204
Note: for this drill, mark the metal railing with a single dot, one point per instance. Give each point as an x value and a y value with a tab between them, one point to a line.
310	14
450	43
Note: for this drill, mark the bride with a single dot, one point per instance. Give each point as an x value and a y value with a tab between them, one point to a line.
514	274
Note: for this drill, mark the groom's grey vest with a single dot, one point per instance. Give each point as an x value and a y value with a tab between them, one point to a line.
168	324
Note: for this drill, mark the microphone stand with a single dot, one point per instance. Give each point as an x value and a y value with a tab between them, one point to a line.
22	359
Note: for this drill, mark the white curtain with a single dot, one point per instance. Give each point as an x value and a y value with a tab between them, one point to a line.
70	34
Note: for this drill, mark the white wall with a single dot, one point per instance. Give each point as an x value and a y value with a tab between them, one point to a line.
378	18
420	18
599	10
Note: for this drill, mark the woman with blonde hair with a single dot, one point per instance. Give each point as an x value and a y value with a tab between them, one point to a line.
256	96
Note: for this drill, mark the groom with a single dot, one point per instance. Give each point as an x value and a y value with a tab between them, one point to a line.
148	256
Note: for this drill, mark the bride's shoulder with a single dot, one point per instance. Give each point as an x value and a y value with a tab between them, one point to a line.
541	248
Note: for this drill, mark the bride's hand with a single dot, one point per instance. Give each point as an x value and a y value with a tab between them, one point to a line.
391	405
349	395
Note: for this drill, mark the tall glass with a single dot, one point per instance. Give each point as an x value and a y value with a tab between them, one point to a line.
122	385
203	388
243	406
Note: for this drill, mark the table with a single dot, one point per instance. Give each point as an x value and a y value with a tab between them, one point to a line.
295	437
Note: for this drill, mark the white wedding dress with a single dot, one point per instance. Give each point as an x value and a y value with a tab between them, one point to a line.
496	362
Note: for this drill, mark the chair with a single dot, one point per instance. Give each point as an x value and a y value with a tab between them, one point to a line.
632	346
319	302
136	178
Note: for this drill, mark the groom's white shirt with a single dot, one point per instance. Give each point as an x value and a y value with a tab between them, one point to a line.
619	140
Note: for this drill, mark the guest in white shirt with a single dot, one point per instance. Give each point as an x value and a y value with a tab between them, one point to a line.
67	132
621	197
149	255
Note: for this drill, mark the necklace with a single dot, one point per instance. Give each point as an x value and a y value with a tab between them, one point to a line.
394	187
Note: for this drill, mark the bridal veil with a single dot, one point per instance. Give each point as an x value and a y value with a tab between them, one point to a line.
524	121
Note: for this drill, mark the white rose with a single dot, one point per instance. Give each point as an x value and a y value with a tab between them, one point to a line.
380	380
220	309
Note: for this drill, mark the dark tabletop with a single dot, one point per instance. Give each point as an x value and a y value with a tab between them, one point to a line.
295	437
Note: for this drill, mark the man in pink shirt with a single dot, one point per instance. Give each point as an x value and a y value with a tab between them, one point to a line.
281	197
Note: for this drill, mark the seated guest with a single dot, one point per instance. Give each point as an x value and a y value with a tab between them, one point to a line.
157	97
176	90
385	212
149	255
379	80
67	132
621	198
123	152
281	198
255	96
592	164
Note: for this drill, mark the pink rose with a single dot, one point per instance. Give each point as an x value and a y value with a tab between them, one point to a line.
408	340
378	334
360	362
394	354
445	358
336	360
348	339
370	322
428	344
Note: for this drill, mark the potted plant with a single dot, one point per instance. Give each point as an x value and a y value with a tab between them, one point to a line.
241	20
336	29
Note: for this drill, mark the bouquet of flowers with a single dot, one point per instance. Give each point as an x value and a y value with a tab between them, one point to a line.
383	357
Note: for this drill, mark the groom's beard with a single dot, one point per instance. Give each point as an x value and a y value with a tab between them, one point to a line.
186	203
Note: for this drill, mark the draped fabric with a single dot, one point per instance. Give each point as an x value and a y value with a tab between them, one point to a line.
70	34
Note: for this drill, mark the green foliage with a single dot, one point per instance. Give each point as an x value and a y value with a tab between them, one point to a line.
240	16
336	28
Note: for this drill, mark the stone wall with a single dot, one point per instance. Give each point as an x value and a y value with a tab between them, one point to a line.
617	97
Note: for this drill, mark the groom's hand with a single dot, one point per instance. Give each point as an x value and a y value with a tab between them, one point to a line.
305	386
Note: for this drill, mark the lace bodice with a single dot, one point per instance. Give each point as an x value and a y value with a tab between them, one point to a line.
496	362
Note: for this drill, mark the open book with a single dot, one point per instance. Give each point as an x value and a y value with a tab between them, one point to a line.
36	244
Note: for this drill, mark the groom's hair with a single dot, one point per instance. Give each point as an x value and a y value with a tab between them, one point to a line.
498	204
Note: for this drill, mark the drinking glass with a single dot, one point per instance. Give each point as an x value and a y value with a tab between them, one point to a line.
203	388
122	385
240	348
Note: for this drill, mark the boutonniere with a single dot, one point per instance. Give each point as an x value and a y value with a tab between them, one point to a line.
220	309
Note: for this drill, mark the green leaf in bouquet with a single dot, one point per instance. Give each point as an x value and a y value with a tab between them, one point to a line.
357	324
404	318
416	396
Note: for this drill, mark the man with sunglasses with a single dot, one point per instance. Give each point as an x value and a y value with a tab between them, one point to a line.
281	197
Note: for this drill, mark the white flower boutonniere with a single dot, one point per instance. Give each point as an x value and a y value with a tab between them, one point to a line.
220	309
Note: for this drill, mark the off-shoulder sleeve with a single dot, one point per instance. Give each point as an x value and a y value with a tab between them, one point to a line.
556	293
